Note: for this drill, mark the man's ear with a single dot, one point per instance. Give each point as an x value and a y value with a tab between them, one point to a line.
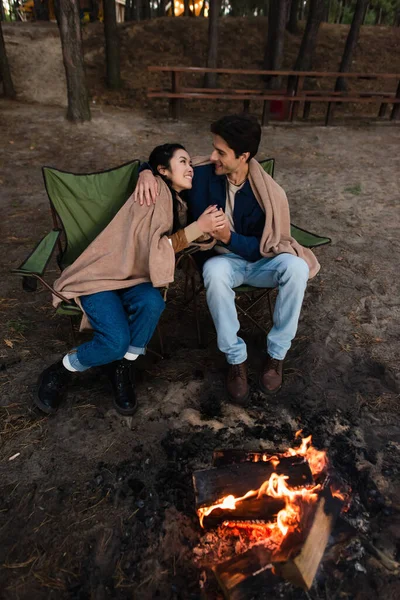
246	156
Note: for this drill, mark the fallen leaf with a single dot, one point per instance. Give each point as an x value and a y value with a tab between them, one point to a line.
8	343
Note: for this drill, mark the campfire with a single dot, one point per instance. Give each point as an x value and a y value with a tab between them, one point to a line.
265	513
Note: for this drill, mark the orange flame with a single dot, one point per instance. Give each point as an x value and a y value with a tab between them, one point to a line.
276	487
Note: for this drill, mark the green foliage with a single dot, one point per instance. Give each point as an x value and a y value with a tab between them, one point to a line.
354	189
17	325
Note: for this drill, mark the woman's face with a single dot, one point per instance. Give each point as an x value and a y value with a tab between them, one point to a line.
180	172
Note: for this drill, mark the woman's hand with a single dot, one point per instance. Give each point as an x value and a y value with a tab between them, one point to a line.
212	219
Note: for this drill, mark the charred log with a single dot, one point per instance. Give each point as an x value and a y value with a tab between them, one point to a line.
211	485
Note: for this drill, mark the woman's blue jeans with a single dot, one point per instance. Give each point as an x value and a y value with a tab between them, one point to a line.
123	321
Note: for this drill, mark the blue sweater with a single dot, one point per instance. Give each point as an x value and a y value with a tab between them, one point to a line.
248	218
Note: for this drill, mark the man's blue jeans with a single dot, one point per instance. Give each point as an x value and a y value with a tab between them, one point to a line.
222	273
123	321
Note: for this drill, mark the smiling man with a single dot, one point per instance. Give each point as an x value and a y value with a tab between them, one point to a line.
253	247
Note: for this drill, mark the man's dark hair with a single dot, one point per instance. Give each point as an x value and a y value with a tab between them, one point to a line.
242	133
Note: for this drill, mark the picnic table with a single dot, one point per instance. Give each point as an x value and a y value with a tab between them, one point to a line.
299	90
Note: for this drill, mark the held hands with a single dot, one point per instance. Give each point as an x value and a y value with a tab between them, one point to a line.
146	188
223	233
211	220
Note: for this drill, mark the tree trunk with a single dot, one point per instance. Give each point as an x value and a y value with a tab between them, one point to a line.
378	17
366	13
128	14
301	10
41	10
210	79
342	11
351	43
71	42
113	68
161	7
277	16
327	10
146	9
187	10
2	11
292	26
5	73
309	40
137	11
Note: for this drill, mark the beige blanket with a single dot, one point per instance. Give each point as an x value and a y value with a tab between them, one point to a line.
132	249
276	237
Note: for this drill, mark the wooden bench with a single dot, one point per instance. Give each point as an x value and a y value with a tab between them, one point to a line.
294	94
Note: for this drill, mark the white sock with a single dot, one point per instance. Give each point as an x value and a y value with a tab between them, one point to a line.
131	356
67	364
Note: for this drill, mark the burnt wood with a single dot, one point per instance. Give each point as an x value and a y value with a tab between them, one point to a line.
234	456
250	510
301	568
211	485
298	560
247	573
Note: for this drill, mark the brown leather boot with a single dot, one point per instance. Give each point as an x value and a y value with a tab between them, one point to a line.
236	384
271	376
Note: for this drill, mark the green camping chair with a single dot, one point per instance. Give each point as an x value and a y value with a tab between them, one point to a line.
81	207
253	294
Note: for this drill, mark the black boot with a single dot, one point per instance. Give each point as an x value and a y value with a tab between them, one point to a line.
122	377
52	387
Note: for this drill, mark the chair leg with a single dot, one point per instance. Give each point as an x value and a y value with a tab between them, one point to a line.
196	312
246	314
160	340
270	306
73	335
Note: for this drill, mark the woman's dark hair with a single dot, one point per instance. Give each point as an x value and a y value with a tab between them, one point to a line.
161	157
242	133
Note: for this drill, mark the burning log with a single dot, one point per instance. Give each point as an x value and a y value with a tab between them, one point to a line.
301	567
211	485
234	456
246	574
253	509
296	561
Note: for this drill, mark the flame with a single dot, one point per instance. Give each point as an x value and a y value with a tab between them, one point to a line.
288	519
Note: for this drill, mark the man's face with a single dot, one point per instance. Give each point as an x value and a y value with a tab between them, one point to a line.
224	157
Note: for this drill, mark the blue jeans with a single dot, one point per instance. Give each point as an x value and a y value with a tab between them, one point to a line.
123	321
222	273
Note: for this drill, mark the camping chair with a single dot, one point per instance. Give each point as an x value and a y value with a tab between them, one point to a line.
81	207
254	294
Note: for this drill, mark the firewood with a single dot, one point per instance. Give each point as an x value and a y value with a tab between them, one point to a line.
253	509
233	456
245	574
301	567
211	485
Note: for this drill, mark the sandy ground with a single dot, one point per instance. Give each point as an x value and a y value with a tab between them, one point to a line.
100	506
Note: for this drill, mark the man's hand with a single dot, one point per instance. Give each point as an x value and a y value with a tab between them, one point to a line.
223	234
146	188
211	220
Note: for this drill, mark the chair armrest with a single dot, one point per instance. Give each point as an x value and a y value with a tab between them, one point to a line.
34	266
38	259
308	239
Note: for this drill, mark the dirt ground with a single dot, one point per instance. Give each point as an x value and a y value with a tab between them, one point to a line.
95	505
